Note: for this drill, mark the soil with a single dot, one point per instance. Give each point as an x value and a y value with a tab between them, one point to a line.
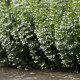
8	73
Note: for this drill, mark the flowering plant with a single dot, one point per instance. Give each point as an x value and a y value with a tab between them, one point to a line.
41	33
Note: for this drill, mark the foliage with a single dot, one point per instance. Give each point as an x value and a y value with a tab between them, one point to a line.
42	34
68	35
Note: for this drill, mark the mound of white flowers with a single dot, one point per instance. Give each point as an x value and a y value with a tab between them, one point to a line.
42	34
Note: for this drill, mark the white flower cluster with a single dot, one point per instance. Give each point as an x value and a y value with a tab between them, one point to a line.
48	25
66	35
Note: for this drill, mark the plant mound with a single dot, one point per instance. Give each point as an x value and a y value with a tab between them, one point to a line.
43	34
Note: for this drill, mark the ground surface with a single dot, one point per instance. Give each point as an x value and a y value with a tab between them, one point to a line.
19	74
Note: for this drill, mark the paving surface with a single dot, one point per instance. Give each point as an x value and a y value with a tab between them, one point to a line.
19	74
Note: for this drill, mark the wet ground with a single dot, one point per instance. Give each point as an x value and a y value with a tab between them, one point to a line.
20	74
